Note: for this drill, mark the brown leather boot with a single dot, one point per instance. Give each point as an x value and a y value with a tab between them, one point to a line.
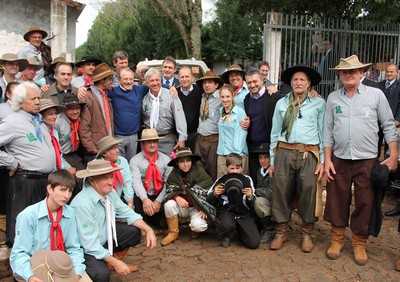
337	242
306	242
173	231
120	255
280	237
360	254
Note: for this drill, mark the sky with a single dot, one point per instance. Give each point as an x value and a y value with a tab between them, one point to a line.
93	7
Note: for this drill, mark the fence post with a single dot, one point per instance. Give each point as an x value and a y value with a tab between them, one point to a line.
272	45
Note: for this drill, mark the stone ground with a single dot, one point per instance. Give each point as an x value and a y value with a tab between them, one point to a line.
203	259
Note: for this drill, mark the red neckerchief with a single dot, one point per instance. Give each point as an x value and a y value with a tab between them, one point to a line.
58	243
57	149
74	124
117	176
88	81
153	174
237	90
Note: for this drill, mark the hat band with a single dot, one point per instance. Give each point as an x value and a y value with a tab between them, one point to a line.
106	169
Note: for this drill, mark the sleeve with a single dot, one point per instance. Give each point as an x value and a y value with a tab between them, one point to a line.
6	136
122	211
275	131
64	163
85	127
127	188
321	117
22	249
168	169
180	119
72	244
137	183
240	135
211	198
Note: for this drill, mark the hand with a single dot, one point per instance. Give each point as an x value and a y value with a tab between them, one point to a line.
157	206
179	144
248	192
314	94
151	239
219	189
174	92
81	93
92	151
391	162
72	170
396	123
120	267
272	89
202	215
148	207
181	202
44	87
12	171
328	169
271	171
245	123
319	171
34	279
130	204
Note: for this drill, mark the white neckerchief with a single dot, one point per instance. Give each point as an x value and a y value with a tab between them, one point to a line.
110	224
155	109
264	173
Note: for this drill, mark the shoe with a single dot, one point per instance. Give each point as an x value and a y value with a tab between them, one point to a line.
173	231
195	234
267	236
337	242
360	253
393	212
132	267
397	265
306	241
280	236
225	242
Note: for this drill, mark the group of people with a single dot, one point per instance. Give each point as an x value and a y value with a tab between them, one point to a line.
96	160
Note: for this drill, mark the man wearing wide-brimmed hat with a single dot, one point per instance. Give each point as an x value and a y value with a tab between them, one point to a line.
207	137
97	114
353	116
107	227
29	73
150	172
51	69
234	76
35	36
62	85
108	149
297	155
12	65
88	65
29	153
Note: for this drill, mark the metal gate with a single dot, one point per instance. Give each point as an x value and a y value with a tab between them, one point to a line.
321	42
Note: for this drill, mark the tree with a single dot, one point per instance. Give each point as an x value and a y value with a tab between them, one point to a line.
187	17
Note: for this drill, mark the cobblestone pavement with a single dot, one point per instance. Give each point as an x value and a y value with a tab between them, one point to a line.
203	259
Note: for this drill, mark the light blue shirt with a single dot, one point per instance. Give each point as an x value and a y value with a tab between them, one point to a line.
309	129
239	97
32	233
232	137
31	51
91	219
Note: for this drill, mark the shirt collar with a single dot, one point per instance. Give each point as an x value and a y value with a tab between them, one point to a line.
186	93
261	93
42	210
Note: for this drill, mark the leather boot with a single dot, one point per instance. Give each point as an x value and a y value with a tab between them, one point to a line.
306	241
120	256
280	237
360	254
173	231
337	242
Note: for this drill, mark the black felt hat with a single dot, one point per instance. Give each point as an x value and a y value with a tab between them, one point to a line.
314	76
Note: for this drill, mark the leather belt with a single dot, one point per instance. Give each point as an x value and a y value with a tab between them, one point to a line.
31	174
171	132
209	138
298	147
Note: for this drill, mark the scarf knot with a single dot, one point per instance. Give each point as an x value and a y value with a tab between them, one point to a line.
291	113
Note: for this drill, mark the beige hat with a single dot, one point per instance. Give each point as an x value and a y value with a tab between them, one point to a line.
54	266
210	75
32	62
232	68
149	134
35	29
10	57
106	143
48	103
351	63
96	167
57	60
102	71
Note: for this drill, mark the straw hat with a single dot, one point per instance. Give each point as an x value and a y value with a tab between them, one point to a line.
10	57
90	59
55	264
149	134
183	152
351	63
48	103
32	62
106	143
232	68
314	76
34	29
96	167
210	75
102	71
57	60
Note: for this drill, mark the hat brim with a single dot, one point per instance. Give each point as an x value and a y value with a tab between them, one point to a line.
23	63
103	75
88	173
218	80
26	35
363	67
195	158
109	145
225	75
149	139
59	108
74	103
241	177
95	61
312	74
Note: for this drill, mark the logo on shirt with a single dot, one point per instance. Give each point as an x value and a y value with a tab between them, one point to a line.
338	109
146	108
31	137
